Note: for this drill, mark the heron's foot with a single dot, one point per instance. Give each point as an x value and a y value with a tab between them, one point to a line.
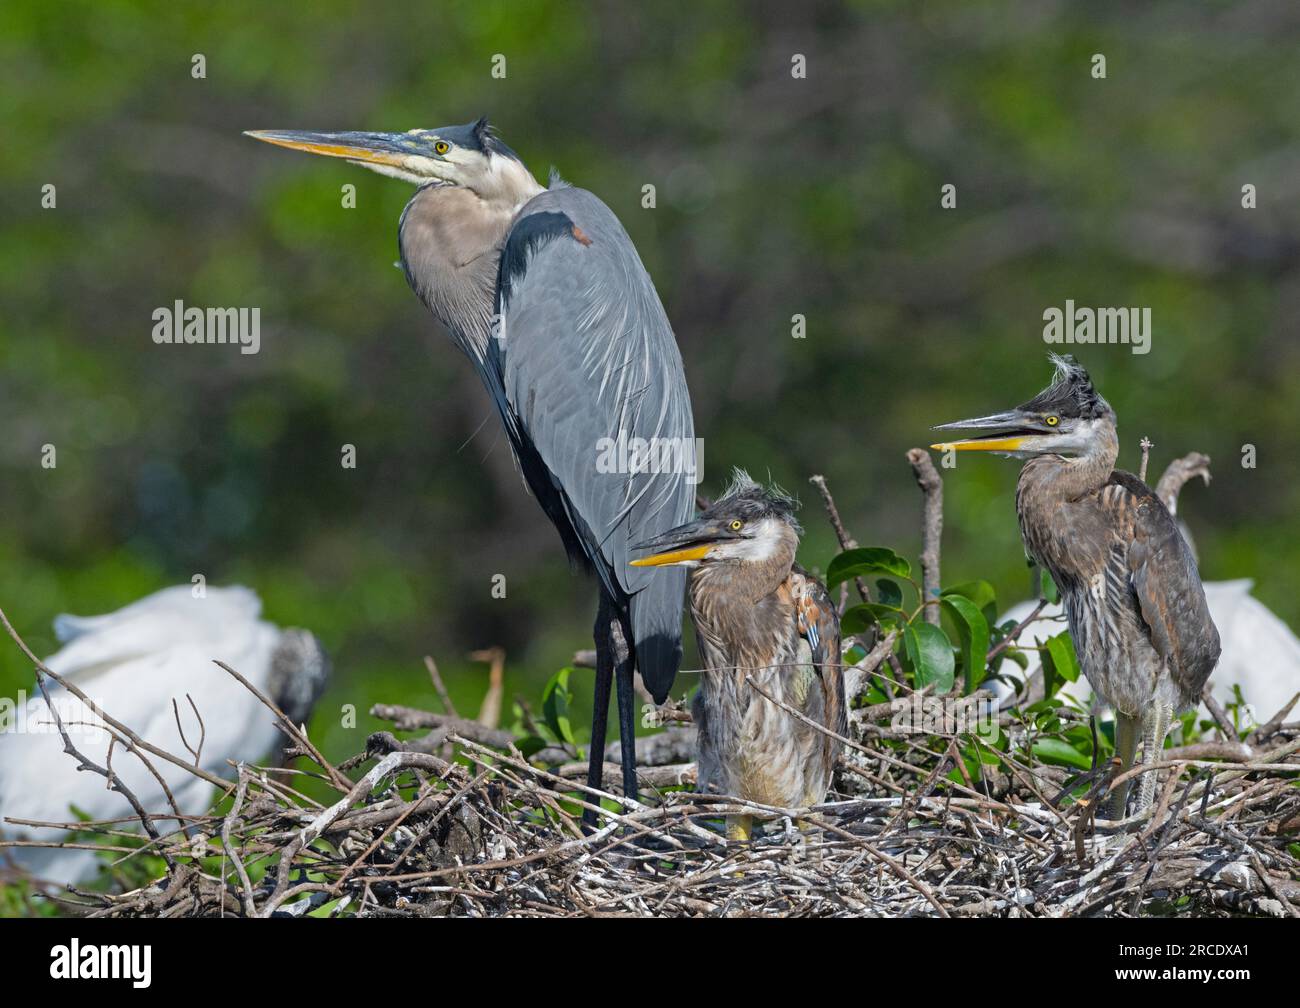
739	827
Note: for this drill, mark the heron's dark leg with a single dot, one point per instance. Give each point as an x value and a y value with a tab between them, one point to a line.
600	704
622	654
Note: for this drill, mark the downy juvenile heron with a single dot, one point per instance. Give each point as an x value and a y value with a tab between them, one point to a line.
544	292
133	663
1132	594
761	619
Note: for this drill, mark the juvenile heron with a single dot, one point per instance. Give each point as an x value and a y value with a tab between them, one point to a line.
134	663
544	292
760	619
1261	654
1132	594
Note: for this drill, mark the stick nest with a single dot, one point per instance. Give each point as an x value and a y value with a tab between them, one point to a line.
486	833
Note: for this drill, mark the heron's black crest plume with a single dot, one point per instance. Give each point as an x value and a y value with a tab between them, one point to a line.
1070	394
752	501
478	135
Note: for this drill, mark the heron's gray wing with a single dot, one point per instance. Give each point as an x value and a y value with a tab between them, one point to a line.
1168	586
591	375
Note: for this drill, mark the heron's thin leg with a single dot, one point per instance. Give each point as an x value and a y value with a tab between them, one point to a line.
1126	742
1157	727
626	704
600	707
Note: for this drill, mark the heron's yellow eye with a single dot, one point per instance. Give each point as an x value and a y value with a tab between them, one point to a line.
441	147
1052	421
737	525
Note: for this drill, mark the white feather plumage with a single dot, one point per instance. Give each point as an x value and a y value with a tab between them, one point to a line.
133	663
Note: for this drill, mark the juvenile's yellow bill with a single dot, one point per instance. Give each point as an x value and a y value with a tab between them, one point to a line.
673	556
987	444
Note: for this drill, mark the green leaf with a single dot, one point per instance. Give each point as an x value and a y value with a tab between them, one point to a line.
861	617
555	706
973	630
888	593
1051	750
1059	662
979	592
868	560
1050	591
981	753
930	655
531	744
1061	648
1014	654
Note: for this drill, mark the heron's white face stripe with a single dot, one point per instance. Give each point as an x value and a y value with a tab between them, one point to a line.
497	179
761	542
393	171
1082	438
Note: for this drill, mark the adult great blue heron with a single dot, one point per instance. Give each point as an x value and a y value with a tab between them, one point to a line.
1132	594
134	663
761	619
544	292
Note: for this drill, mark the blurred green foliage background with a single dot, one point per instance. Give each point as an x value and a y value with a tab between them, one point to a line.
776	196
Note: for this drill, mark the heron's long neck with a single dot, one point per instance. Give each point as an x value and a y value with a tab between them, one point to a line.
1055	479
739	609
739	584
1051	482
451	239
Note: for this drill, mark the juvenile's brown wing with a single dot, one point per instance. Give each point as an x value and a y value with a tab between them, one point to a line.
819	624
1168	588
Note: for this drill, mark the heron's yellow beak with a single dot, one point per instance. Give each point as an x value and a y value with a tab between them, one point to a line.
982	444
1005	432
673	556
368	148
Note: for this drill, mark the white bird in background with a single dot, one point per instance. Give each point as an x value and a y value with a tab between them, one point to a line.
133	663
1260	652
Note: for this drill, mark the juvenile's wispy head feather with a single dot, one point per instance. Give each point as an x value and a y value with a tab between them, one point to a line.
1071	393
753	501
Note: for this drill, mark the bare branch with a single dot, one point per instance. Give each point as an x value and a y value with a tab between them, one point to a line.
439	687
846	541
1146	446
928	479
489	712
1178	473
